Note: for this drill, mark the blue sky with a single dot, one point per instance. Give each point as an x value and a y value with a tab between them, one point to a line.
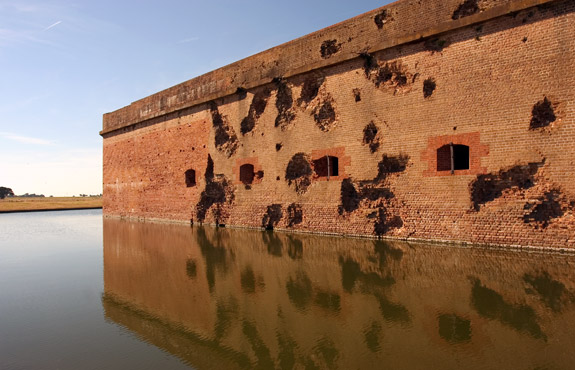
63	64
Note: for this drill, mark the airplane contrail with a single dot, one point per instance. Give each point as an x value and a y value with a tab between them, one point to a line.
52	25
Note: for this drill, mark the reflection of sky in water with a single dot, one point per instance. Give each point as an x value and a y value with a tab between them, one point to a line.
173	296
51	316
61	227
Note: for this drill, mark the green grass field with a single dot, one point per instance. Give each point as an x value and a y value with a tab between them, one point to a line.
35	204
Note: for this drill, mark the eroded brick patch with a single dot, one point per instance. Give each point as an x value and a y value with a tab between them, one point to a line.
217	196
383	224
375	194
392	75
299	172
357	95
429	86
241	93
544	203
369	63
545	208
542	114
310	88
272	217
329	48
471	7
371	137
486	188
435	44
391	164
295	214
284	103
257	108
382	18
325	115
465	9
225	137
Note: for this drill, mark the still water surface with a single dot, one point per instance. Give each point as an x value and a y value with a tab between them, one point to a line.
79	292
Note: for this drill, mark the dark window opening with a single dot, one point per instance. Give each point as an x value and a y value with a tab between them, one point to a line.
460	157
453	157
326	166
247	174
190	178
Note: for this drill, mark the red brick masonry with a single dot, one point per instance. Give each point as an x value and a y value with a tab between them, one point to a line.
385	95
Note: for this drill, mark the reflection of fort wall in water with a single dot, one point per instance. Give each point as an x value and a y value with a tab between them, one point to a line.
220	297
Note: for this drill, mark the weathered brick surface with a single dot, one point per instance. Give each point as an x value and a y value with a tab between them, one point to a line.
488	77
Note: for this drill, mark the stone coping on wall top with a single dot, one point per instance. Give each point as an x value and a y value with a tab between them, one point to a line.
294	58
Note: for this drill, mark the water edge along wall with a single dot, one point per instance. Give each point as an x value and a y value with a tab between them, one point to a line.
438	120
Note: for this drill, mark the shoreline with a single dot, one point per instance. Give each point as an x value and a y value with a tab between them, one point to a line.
39	204
47	209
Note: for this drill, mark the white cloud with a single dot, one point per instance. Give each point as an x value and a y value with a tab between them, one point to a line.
25	139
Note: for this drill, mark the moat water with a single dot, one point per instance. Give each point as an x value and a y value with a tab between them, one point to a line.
80	292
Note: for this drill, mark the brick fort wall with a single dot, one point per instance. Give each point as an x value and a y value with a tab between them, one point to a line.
451	120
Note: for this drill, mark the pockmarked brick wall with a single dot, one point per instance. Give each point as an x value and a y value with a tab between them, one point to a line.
451	120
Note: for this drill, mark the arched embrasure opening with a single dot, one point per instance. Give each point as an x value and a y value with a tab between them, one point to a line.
190	178
247	174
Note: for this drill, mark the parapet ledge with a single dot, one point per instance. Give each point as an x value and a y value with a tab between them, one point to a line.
370	32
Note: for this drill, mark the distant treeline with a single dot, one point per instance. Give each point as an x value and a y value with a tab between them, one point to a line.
7	192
